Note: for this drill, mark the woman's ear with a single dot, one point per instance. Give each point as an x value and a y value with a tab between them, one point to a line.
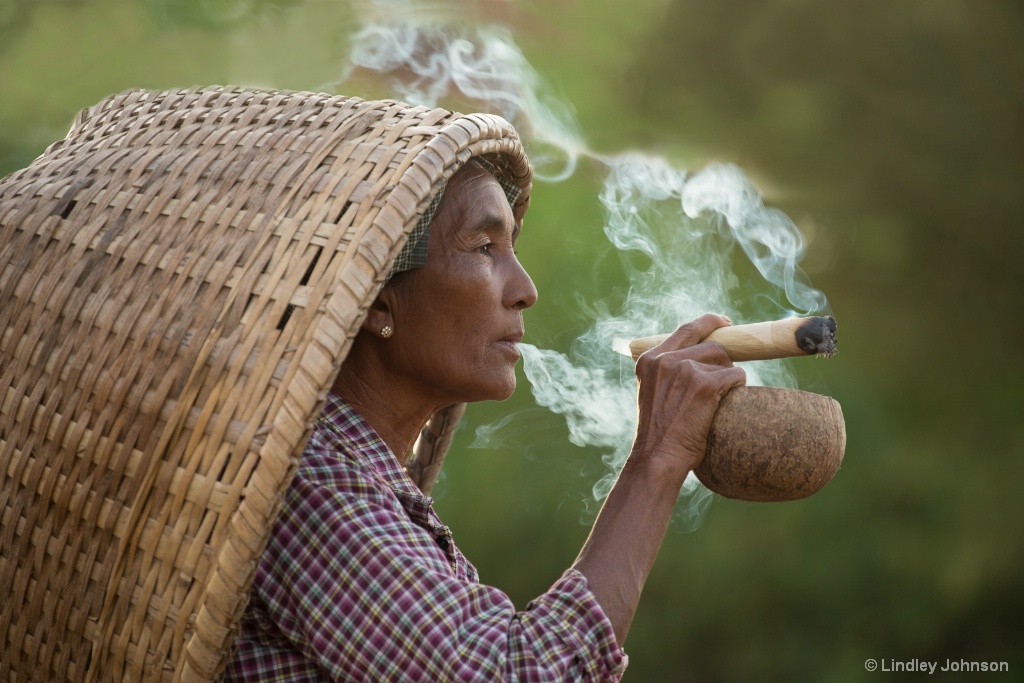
379	316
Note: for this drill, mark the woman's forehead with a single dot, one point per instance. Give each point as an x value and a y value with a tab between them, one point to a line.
476	201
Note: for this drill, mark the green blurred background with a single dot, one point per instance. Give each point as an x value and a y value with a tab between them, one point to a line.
892	132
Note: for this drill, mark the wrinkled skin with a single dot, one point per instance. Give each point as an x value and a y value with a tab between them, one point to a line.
456	321
682	382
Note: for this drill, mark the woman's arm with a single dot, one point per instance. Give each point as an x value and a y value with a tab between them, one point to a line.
681	383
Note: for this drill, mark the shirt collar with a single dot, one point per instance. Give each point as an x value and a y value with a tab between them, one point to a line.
369	448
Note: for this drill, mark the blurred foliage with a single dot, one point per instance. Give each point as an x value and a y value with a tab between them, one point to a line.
215	13
891	132
14	15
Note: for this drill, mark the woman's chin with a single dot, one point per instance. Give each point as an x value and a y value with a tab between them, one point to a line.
499	391
507	394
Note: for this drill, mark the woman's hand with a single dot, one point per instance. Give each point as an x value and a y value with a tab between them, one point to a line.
682	381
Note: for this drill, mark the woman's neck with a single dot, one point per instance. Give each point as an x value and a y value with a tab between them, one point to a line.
395	413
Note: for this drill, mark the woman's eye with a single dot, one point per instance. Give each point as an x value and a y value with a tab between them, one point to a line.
486	249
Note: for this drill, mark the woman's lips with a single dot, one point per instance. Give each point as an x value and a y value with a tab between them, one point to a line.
511	342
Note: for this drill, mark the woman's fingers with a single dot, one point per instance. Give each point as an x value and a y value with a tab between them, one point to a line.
682	382
685	343
692	333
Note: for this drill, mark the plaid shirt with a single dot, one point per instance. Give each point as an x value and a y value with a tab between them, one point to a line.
361	581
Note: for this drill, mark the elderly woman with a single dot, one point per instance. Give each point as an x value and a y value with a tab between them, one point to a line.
361	579
188	276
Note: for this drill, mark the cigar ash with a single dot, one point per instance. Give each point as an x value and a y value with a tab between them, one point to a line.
818	336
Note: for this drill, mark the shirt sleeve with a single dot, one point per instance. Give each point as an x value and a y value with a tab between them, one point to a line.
359	588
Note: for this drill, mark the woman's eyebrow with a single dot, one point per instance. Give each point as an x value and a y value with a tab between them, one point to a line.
490	221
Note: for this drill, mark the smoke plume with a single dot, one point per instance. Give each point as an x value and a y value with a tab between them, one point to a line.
685	227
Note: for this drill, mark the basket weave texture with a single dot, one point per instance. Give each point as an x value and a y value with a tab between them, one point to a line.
180	279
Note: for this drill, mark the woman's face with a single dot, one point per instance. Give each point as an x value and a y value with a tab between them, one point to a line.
458	319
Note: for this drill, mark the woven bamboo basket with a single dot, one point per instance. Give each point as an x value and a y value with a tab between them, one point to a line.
181	278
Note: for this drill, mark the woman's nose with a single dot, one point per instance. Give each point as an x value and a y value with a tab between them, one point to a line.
522	293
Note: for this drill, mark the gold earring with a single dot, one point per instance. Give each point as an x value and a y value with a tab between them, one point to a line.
386	331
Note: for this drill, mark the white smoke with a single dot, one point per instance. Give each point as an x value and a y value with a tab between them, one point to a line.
436	56
686	227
